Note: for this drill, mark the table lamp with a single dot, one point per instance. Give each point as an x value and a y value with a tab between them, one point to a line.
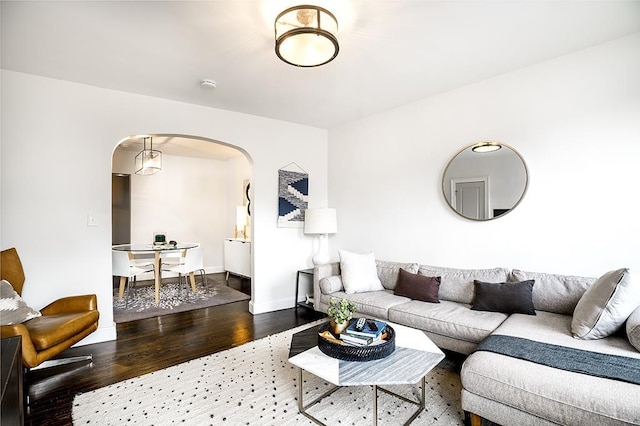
241	222
320	222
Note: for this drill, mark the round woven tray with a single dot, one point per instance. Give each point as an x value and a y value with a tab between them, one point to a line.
358	353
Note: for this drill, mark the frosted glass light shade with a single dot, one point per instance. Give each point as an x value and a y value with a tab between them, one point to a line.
306	36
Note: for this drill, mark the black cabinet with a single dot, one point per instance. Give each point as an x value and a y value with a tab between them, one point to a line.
12	410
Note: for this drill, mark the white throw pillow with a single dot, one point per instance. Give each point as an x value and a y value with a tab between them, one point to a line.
13	310
359	273
606	305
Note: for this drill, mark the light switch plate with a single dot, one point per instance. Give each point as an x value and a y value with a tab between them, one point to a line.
91	220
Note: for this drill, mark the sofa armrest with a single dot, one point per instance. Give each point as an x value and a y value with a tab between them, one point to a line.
320	272
87	302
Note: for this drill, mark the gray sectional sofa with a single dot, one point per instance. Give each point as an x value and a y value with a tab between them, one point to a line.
499	387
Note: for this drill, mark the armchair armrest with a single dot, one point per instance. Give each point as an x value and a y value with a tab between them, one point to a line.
29	354
87	302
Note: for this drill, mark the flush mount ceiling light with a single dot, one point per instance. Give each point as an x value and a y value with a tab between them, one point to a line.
208	84
148	161
486	147
306	36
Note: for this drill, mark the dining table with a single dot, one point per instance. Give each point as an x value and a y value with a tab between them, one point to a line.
155	249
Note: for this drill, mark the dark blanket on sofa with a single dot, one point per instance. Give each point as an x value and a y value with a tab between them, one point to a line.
579	361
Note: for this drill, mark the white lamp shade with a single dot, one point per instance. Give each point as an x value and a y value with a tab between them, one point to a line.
241	216
320	221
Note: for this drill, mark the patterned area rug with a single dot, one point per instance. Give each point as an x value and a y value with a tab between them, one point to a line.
254	384
172	300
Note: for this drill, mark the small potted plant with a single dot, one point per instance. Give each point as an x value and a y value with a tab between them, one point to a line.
340	312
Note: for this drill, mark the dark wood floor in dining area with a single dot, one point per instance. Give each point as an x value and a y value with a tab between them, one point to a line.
149	345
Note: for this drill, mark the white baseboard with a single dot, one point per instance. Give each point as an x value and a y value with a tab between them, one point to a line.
102	334
274	305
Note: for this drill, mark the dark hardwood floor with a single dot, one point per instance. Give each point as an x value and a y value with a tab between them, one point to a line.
152	344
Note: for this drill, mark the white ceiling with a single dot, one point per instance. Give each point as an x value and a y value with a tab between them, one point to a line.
391	52
181	146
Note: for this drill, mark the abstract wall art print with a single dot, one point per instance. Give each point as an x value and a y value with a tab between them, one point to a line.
293	195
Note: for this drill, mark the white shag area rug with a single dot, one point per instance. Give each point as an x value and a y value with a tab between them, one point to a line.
254	384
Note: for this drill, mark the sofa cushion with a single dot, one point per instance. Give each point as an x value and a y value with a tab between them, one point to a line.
359	273
561	397
633	329
456	285
554	292
417	287
447	318
331	284
14	310
374	304
551	396
509	298
388	272
606	305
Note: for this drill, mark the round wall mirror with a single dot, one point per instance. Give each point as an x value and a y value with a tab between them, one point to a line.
485	181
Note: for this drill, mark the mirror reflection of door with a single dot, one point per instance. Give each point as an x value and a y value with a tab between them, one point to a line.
470	197
503	167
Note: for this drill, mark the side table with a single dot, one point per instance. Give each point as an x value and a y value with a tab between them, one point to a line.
308	272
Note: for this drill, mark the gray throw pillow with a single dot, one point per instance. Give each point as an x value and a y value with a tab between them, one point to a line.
388	272
417	287
13	310
331	284
606	305
633	328
508	298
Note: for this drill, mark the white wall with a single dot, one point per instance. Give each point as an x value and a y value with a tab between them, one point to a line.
189	200
576	122
57	143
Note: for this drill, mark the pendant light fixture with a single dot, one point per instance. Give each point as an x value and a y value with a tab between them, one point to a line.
148	161
306	36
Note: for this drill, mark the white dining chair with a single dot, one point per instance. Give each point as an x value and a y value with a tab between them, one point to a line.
121	266
193	262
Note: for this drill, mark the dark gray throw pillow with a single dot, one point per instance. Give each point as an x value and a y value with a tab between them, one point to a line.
417	287
508	298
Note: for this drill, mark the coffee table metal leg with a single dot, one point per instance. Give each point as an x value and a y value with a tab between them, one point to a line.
375	405
420	404
302	408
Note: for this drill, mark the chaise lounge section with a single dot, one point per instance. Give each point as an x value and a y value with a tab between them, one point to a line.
504	388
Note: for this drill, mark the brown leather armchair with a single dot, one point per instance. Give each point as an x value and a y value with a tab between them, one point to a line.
62	324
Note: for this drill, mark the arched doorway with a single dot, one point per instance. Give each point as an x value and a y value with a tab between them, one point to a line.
194	198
